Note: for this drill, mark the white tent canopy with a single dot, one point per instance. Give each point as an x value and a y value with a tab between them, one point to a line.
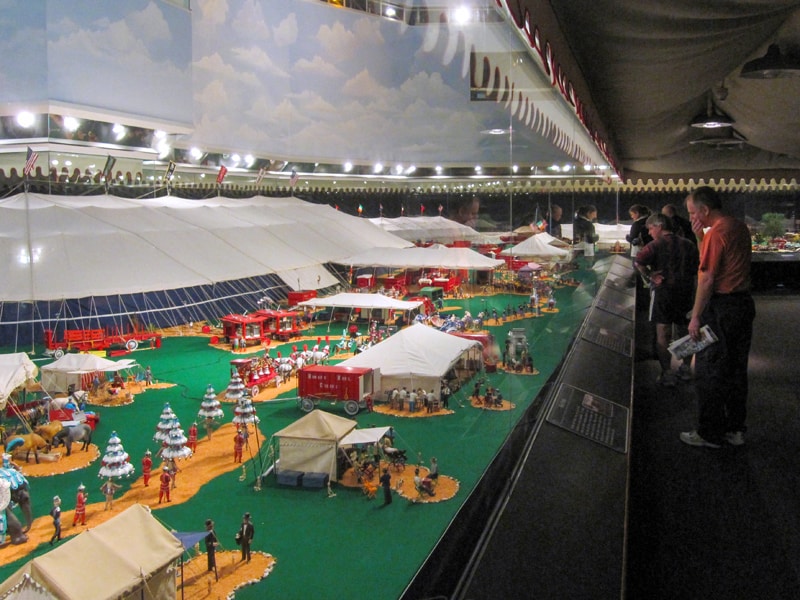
433	257
127	557
369	435
170	243
539	246
608	234
417	356
58	375
364	301
310	444
428	229
15	370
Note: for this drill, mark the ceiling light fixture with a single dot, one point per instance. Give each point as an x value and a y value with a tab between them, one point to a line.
772	65
727	137
711	119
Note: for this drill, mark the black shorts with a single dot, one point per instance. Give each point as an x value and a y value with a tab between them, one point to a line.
670	305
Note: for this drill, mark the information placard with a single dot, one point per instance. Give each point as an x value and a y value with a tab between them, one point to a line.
590	416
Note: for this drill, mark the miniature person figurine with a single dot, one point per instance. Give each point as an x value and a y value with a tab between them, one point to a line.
173	469
55	512
148	376
192	441
209	423
238	446
147	466
80	506
211	547
434	470
109	488
246	533
165	480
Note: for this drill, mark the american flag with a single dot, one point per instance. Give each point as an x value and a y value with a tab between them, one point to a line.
261	172
29	162
108	168
223	170
170	171
294	178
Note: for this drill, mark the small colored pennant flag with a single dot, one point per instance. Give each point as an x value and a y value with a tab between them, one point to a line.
30	161
336	206
223	170
294	178
360	210
441	208
422	209
170	171
380	209
402	210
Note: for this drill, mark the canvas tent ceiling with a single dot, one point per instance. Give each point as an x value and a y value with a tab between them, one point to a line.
417	356
310	443
15	370
433	257
129	554
428	229
364	301
56	247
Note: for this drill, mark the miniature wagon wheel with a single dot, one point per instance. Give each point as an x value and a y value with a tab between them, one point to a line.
59	353
254	391
132	345
306	404
351	408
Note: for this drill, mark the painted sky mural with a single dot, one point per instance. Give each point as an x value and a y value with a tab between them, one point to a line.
277	78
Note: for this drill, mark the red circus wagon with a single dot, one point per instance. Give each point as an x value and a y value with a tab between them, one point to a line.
261	325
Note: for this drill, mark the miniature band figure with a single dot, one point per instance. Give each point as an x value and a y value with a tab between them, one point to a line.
148	376
147	467
55	512
192	441
165	480
386	483
109	488
80	506
238	446
211	547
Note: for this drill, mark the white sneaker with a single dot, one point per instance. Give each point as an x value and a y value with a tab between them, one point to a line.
735	438
694	439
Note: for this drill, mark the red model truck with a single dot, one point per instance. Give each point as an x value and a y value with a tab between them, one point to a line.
335	383
83	340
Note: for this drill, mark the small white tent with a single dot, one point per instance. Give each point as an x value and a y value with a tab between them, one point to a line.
15	370
310	444
433	257
128	557
417	356
70	369
427	229
538	246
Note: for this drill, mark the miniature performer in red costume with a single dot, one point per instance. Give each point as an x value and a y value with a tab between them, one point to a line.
147	466
192	442
80	506
165	481
238	445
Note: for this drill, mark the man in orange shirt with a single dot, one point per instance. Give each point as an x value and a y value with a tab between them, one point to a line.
723	302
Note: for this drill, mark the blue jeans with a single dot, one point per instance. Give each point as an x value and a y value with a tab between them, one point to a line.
721	369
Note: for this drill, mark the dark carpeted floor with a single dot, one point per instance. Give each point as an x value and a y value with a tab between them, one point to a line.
719	523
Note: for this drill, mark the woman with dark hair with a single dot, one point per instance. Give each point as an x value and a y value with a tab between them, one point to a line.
638	236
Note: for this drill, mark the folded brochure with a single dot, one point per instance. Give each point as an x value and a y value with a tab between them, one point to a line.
686	346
